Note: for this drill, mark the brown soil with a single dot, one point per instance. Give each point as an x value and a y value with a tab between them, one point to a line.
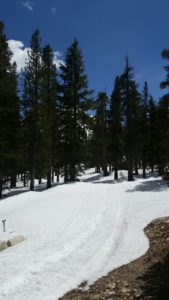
143	279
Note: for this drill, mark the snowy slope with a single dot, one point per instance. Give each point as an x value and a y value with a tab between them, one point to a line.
76	232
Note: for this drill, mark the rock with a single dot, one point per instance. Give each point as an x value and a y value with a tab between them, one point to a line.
126	284
138	296
111	285
125	290
110	293
15	240
3	245
159	220
94	297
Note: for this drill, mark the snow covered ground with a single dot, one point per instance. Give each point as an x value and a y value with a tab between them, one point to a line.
76	232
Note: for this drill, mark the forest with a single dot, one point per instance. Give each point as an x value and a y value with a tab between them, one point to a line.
51	122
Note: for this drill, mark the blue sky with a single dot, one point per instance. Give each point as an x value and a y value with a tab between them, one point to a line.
107	30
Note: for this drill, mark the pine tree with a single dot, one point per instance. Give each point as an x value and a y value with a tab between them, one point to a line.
116	143
163	119
100	133
32	102
49	112
144	127
9	113
152	150
130	99
165	55
75	104
15	130
162	133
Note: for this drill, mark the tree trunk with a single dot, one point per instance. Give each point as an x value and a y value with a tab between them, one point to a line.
72	172
0	185
144	170
24	179
58	175
49	183
161	169
144	163
104	168
32	179
40	180
115	174
136	168
115	171
52	176
65	174
97	169
130	170
13	181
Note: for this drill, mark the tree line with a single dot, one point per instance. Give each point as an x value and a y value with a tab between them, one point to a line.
50	122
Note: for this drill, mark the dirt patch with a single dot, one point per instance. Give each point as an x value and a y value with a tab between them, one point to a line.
144	279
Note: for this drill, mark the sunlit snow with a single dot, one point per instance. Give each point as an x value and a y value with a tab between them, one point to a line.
76	232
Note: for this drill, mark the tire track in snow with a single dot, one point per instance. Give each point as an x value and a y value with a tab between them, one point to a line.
84	257
113	239
52	262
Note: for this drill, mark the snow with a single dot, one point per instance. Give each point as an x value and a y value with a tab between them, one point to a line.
76	232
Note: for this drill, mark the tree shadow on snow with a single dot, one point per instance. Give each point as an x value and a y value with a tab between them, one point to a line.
99	178
111	181
20	190
13	193
92	178
156	281
148	175
149	186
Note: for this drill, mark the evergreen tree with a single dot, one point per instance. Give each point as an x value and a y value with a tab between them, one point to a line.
115	128
15	129
162	133
100	133
144	127
152	133
165	83
75	104
130	99
49	112
163	119
32	103
9	112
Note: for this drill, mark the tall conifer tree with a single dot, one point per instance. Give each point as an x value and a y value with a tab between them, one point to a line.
9	112
32	102
144	126
49	111
115	127
165	83
75	104
100	138
130	99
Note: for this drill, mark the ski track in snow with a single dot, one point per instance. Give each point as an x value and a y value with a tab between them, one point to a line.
74	233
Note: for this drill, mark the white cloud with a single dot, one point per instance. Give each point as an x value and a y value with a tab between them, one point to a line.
53	10
57	59
20	54
28	5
